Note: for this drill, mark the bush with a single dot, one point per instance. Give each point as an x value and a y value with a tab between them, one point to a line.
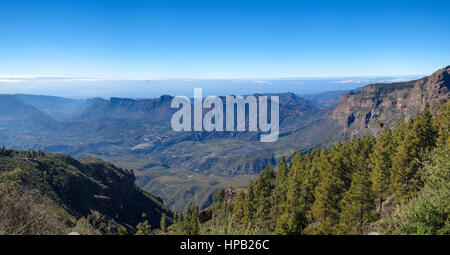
428	213
23	214
96	224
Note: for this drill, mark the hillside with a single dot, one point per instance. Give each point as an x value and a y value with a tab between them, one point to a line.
136	133
136	127
80	188
188	167
396	183
360	112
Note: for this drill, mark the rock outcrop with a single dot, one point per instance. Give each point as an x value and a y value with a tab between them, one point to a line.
205	215
231	194
359	112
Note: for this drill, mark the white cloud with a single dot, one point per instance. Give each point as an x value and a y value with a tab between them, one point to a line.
10	80
54	78
262	82
350	81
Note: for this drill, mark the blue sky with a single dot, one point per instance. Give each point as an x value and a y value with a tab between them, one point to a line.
223	39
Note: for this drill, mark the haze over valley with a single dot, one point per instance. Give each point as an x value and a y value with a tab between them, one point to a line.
182	167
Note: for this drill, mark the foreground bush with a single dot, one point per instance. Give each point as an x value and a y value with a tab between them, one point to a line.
23	214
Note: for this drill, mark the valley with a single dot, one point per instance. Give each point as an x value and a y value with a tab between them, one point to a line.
188	167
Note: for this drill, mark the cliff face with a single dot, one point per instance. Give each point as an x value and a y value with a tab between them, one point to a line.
360	112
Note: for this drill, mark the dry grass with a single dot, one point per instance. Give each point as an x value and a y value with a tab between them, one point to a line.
23	214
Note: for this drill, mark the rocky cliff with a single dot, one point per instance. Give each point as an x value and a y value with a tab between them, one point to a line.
359	112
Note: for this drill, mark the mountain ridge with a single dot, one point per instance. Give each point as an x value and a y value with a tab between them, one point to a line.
359	112
136	133
82	187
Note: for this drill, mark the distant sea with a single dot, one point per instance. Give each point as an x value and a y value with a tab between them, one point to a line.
105	88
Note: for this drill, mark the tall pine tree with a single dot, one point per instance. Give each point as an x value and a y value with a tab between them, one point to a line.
407	162
381	163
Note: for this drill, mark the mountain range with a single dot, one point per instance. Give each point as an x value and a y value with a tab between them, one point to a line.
188	167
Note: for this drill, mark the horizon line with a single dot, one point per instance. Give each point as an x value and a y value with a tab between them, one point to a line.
26	77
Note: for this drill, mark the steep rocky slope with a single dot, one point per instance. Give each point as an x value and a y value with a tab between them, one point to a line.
388	103
81	187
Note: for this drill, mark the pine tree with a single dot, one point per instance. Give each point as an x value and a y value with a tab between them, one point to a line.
179	221
419	138
425	131
335	189
163	223
381	164
194	224
292	215
399	133
404	167
444	127
313	161
428	213
238	209
325	210
190	221
249	204
263	189
357	204
279	192
219	197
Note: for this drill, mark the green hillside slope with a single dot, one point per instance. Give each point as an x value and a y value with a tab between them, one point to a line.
78	189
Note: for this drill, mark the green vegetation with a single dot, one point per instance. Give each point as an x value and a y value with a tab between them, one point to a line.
180	167
28	214
46	193
394	183
397	183
385	88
